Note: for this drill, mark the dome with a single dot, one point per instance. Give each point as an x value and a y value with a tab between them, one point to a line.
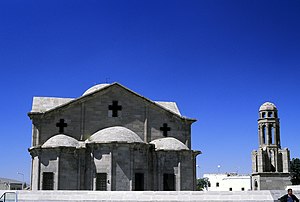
115	134
60	140
95	88
169	143
267	106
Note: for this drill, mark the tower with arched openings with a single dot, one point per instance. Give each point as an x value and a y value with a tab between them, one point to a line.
270	163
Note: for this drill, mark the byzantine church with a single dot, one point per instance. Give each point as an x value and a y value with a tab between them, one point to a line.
110	139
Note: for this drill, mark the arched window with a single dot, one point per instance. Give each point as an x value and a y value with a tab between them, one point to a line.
271	156
270	133
255	185
264	134
256	163
270	114
273	135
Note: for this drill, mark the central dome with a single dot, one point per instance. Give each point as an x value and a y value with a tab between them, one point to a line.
95	88
267	106
115	134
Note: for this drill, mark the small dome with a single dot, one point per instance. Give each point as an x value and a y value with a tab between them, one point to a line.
169	143
115	134
95	88
60	140
267	106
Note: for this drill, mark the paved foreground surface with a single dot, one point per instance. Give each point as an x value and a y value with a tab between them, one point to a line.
168	196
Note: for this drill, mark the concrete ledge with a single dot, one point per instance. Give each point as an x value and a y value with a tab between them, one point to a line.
156	196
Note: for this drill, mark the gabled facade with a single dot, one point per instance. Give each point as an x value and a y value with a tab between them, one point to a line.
110	138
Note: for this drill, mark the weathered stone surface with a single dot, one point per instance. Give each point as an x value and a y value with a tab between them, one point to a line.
270	163
61	140
168	143
114	134
101	140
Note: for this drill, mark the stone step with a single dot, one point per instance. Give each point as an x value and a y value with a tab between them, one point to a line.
145	196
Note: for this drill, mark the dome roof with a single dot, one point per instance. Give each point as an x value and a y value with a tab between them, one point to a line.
115	134
267	106
169	143
61	140
95	88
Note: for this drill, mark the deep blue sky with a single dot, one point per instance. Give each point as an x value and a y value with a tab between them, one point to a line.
218	59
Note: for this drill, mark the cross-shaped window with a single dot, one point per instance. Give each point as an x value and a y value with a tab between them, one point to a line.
61	125
165	129
115	108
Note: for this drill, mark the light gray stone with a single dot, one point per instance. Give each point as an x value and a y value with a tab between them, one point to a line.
115	134
118	196
42	104
168	143
270	163
61	140
97	147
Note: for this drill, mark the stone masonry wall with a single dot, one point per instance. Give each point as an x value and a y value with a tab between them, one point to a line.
92	114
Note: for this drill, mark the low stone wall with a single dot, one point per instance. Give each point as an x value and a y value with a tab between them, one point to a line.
145	196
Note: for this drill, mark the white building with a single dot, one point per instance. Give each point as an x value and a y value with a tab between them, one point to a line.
10	184
228	182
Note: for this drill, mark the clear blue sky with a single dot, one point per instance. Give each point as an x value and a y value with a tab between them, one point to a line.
218	59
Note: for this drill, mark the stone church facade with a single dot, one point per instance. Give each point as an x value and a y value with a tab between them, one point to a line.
270	163
113	139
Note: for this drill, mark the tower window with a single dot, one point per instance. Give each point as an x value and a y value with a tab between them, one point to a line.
273	135
270	134
264	134
270	114
263	115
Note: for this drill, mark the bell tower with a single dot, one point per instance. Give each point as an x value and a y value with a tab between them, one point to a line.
270	163
268	126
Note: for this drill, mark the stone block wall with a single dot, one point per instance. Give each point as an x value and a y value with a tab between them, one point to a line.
68	171
92	114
